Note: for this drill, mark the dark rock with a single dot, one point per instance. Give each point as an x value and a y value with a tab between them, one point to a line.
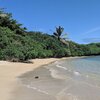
36	77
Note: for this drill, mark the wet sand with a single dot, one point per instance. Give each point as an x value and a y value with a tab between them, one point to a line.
75	79
9	84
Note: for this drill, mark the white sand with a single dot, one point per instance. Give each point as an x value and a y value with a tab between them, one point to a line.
9	72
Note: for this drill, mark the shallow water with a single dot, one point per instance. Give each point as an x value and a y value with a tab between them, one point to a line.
73	79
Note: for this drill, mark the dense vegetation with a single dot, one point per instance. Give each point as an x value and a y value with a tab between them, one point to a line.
16	44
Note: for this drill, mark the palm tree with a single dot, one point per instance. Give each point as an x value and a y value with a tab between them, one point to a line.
58	34
59	31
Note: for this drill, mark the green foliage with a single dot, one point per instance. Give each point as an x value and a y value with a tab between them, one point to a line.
18	45
94	48
78	50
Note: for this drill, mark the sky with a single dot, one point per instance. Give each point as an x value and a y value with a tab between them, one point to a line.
80	18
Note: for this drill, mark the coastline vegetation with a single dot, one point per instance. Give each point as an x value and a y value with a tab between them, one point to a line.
18	44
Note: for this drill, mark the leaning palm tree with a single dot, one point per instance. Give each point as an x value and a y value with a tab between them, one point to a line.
59	31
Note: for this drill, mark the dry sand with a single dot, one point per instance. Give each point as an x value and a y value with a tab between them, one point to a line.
9	72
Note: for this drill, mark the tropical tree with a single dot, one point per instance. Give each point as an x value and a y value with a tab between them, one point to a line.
59	31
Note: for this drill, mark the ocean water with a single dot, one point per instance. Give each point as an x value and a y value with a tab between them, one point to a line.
69	79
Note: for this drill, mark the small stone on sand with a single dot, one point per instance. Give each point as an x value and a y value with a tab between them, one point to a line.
36	77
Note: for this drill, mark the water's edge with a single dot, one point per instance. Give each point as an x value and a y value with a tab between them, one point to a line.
65	79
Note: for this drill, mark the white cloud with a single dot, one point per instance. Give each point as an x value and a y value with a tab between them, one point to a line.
92	30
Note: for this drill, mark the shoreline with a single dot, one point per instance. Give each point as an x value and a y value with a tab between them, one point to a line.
10	71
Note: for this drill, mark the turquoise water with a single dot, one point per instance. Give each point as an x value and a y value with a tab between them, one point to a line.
86	67
73	79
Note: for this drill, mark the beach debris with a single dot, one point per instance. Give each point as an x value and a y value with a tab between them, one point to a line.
28	61
36	77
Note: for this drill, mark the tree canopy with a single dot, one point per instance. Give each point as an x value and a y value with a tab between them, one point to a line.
17	44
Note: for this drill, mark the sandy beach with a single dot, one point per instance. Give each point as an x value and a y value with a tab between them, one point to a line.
57	81
9	72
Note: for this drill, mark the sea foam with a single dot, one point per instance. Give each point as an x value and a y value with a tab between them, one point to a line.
54	74
77	73
61	67
39	90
